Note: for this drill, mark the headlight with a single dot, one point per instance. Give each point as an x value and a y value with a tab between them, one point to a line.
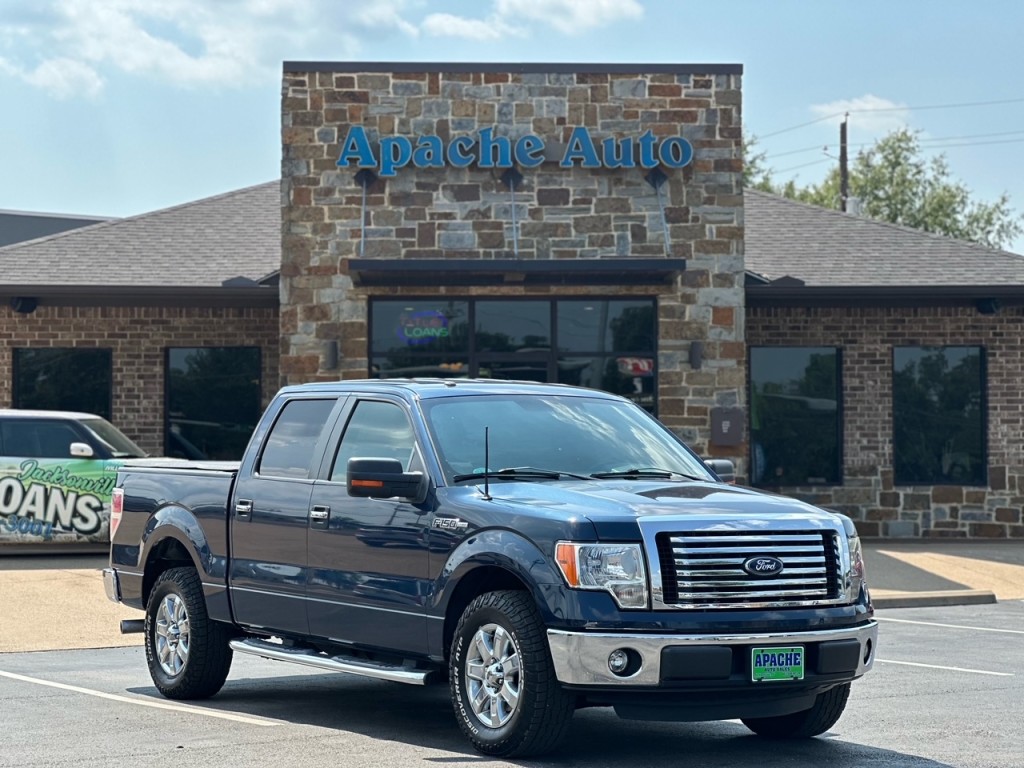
615	568
854	578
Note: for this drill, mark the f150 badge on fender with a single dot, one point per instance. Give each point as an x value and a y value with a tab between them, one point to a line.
450	523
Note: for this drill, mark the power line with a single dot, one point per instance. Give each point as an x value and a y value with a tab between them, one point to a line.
932	143
804	165
893	109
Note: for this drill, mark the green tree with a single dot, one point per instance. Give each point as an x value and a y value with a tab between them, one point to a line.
895	182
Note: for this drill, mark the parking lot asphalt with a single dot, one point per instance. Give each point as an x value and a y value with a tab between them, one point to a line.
56	601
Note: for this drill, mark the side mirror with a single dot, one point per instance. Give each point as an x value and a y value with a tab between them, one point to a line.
81	451
372	478
724	468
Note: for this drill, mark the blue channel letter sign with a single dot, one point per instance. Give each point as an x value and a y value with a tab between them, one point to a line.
489	151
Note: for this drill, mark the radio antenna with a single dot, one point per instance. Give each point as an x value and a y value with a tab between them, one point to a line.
487	463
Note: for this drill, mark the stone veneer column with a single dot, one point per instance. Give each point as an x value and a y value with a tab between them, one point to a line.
564	213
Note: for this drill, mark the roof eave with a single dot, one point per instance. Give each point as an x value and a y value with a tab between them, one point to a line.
888	295
144	295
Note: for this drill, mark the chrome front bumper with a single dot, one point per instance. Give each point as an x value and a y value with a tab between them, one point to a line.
581	658
111	585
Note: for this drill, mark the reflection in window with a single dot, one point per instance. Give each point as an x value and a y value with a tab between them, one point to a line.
511	326
938	415
607	344
63	379
795	415
292	440
213	401
376	429
599	325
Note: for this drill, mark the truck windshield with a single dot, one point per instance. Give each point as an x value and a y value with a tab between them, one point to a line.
570	434
120	446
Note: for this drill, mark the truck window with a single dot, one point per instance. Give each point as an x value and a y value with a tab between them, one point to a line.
377	429
38	439
290	445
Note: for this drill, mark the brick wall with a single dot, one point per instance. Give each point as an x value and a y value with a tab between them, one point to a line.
564	213
137	337
866	338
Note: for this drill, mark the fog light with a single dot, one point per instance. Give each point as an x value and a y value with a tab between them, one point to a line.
618	660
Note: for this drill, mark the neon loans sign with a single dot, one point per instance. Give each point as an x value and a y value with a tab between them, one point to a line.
490	151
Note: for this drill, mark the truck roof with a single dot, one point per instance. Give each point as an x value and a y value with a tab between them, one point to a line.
25	413
431	388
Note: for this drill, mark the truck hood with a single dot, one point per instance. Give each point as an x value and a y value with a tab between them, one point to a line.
615	506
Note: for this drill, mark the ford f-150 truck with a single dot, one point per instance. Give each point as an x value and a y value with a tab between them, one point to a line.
541	547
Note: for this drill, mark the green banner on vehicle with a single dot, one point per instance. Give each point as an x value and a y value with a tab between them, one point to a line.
55	500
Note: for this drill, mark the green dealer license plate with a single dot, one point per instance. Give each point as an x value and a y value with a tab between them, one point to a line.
777	664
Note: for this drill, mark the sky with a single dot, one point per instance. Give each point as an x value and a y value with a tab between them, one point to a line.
120	107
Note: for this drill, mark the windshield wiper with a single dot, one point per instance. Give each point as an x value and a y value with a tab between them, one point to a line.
639	472
526	473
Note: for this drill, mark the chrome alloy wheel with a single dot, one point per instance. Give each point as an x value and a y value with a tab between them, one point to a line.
494	677
172	635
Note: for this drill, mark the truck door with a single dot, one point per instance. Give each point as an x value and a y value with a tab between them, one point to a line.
269	516
368	557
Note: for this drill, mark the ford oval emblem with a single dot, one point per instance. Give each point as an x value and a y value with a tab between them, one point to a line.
763	565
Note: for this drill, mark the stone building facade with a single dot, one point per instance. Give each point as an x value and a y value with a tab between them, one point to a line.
868	493
599	219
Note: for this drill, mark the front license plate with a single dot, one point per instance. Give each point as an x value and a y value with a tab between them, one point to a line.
777	664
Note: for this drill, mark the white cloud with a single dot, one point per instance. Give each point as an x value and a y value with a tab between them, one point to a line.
569	16
74	46
65	78
869	114
447	25
386	14
516	17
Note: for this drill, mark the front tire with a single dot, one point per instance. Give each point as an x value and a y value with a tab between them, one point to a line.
507	699
188	654
828	708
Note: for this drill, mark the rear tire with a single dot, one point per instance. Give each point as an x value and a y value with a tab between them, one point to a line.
507	699
828	708
188	654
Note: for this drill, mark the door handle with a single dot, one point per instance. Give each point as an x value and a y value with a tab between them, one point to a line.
319	512
243	507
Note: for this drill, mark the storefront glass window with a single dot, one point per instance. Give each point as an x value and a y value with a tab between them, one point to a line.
63	379
938	415
795	416
513	326
605	325
607	344
213	401
419	338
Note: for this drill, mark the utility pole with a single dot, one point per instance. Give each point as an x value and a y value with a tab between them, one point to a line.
844	176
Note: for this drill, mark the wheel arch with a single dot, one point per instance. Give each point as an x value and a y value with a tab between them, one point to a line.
476	582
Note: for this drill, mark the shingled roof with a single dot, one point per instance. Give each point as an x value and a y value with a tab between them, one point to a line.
804	246
206	244
793	250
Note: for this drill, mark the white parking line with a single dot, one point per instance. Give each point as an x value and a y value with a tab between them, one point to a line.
142	702
950	669
951	626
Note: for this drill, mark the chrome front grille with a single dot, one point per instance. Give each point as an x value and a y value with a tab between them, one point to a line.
704	569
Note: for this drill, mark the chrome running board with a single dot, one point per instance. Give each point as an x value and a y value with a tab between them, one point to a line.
312	658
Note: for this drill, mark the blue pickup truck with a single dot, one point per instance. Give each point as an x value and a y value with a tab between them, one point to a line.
541	548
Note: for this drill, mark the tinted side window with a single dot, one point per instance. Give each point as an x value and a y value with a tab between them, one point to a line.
290	445
38	439
380	430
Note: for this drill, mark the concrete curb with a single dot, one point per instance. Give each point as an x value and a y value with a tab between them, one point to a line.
930	599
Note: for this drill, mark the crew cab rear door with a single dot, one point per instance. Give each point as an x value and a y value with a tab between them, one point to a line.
269	515
368	570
